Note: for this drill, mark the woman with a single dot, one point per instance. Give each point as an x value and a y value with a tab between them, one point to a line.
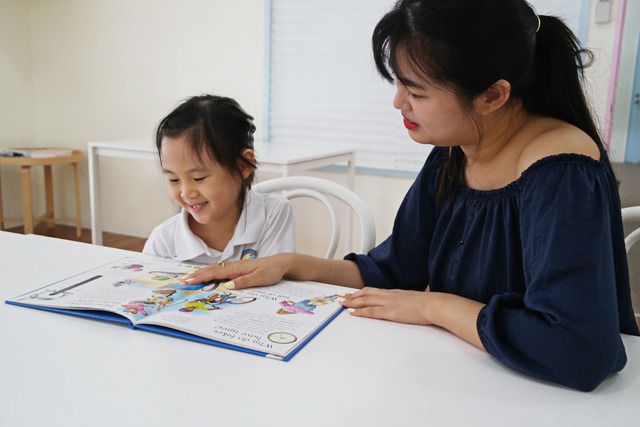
511	235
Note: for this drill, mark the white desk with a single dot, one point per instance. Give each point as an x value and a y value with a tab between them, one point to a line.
285	160
61	370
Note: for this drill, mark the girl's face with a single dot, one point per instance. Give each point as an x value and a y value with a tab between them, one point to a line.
432	114
207	190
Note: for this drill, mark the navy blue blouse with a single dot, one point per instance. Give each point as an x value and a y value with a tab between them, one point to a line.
545	254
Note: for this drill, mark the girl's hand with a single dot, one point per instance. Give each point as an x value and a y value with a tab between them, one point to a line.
242	274
395	305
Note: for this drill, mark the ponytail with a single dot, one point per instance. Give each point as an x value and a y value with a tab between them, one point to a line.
469	45
555	88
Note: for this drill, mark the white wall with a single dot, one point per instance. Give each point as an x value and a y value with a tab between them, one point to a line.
16	92
624	87
600	40
112	69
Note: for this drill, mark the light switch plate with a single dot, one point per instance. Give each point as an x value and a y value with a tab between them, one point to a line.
603	11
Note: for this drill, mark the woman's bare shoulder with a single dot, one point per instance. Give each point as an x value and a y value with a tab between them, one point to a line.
552	137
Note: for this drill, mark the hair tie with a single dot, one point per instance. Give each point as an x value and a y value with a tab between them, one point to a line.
538	29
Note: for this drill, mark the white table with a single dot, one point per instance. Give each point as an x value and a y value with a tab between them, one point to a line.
61	370
286	160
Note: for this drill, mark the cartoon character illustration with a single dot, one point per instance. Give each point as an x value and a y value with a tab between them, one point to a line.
123	282
130	267
164	280
161	279
135	307
161	299
215	301
249	254
305	306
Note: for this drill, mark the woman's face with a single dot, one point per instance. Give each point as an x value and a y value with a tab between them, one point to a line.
432	114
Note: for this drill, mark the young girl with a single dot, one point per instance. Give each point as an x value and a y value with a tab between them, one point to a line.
511	236
206	152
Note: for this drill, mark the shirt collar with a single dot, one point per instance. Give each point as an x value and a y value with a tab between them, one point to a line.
248	230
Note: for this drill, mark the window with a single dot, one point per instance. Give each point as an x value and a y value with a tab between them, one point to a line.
322	86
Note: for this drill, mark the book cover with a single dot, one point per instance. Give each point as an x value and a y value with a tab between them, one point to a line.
147	293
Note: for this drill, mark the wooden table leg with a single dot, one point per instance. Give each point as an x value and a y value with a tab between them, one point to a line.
76	168
25	172
48	186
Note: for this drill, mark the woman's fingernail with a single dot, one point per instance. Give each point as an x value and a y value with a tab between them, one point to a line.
229	285
340	299
341	294
351	310
188	280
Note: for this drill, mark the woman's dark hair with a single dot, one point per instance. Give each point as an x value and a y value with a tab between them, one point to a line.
214	125
468	45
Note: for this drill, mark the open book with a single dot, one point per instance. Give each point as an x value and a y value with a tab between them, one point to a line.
146	293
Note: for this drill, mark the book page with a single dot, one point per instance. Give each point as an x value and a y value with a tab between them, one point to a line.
133	288
273	319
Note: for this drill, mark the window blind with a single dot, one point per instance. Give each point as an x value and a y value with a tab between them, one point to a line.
324	88
322	84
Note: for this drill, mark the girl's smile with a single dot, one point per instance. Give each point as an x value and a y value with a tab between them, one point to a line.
197	207
205	189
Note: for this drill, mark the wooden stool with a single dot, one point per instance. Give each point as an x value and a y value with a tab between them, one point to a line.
25	164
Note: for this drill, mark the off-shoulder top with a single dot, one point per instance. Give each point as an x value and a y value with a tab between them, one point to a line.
545	254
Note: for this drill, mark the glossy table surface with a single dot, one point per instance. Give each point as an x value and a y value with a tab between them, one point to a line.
70	371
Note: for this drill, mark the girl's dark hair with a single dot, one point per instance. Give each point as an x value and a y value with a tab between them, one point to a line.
214	125
467	45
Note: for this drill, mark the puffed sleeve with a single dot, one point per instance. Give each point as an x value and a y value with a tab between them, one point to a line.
565	327
400	262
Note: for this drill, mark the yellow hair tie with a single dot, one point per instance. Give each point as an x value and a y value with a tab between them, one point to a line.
538	29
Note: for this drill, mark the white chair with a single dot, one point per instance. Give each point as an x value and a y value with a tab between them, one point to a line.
319	189
631	214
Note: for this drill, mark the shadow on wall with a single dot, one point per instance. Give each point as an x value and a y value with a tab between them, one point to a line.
629	176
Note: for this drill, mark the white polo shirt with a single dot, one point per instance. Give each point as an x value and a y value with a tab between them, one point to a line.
266	226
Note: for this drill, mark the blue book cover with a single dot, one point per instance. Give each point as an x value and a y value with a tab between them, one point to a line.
147	293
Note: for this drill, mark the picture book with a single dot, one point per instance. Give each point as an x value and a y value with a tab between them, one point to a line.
35	152
147	293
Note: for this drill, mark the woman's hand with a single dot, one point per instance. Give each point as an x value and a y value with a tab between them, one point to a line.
455	313
390	304
242	274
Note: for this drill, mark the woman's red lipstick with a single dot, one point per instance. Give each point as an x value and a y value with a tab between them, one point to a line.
409	124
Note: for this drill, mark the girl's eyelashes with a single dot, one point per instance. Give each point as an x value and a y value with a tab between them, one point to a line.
176	180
